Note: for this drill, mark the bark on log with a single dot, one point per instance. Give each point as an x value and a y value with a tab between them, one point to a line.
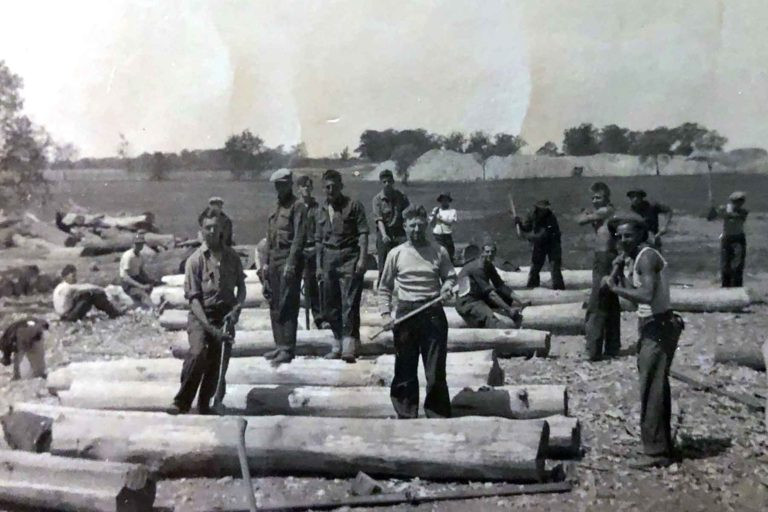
513	402
119	241
44	481
33	227
471	448
174	296
256	370
505	342
27	431
143	221
749	356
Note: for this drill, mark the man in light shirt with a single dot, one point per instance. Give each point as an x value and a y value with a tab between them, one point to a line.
420	271
72	301
442	219
134	280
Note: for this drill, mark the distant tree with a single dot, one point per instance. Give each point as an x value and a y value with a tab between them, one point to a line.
23	146
614	139
711	141
344	156
159	165
404	156
242	150
505	144
479	142
581	140
652	144
123	147
375	145
65	154
455	141
548	149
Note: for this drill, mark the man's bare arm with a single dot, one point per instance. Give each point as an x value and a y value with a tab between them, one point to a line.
647	267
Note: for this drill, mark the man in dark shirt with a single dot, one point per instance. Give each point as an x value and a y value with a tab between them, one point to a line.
341	241
388	206
286	232
482	291
215	207
211	276
311	289
650	213
733	241
542	230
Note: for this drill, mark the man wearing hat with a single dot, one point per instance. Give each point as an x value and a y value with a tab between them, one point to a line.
388	206
650	212
341	241
482	292
311	289
134	280
542	230
442	219
215	206
286	233
733	242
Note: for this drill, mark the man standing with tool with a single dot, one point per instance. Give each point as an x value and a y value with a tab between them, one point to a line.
212	274
286	232
650	212
542	230
659	330
420	272
482	291
603	322
733	242
388	206
311	289
341	241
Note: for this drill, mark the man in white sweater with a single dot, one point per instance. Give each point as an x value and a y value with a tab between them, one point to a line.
420	271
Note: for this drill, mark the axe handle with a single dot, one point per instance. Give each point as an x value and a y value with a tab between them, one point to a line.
514	212
411	314
244	469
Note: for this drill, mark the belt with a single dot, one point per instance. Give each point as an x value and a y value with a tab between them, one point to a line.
410	305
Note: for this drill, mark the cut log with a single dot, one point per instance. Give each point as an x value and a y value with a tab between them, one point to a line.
505	342
471	448
33	227
250	320
144	221
696	300
574	279
44	481
749	356
27	431
173	296
256	370
514	402
120	241
178	279
546	296
556	318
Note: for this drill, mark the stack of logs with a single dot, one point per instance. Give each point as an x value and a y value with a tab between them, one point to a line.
25	280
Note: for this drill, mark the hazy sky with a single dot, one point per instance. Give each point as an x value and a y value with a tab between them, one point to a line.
171	75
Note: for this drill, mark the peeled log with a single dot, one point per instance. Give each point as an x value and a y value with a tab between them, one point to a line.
44	481
749	356
556	318
174	296
250	320
471	448
178	279
574	279
505	342
256	370
120	241
31	226
697	300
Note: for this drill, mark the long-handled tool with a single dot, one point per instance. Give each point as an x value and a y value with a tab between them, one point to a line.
244	469
226	353
413	313
514	212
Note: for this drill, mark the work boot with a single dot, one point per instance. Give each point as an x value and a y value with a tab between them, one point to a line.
175	410
272	353
349	346
335	352
205	410
283	356
652	461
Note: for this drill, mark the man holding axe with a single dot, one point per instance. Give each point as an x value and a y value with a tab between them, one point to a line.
543	231
423	275
211	276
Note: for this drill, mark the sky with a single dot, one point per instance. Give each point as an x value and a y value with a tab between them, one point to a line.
187	74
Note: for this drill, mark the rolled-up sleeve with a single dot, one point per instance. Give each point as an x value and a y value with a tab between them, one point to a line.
193	279
376	209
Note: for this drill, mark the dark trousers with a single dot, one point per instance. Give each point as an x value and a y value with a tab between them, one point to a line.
382	249
284	305
201	365
342	290
540	252
447	242
477	313
425	334
139	296
84	300
603	321
733	253
658	336
312	289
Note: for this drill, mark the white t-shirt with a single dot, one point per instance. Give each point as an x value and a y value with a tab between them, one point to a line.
63	293
131	264
444	221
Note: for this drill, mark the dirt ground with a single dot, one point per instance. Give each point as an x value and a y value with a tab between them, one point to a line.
725	444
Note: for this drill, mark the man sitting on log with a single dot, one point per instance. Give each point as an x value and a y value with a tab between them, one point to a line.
420	271
24	338
482	292
659	330
211	276
134	280
72	301
216	207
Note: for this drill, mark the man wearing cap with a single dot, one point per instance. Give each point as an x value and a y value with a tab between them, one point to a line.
134	280
603	320
418	271
482	291
286	232
214	285
388	206
311	290
215	206
542	230
341	241
442	219
733	241
650	212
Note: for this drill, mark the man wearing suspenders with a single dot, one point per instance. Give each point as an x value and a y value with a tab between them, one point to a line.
659	330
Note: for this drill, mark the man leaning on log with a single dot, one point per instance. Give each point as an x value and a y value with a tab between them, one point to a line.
420	271
659	330
212	274
286	232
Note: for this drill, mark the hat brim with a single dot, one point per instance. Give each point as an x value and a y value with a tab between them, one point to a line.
640	193
444	196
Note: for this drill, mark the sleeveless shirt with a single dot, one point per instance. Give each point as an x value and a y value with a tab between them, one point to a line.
660	303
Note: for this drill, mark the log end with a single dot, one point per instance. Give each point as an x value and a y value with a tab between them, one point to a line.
26	431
